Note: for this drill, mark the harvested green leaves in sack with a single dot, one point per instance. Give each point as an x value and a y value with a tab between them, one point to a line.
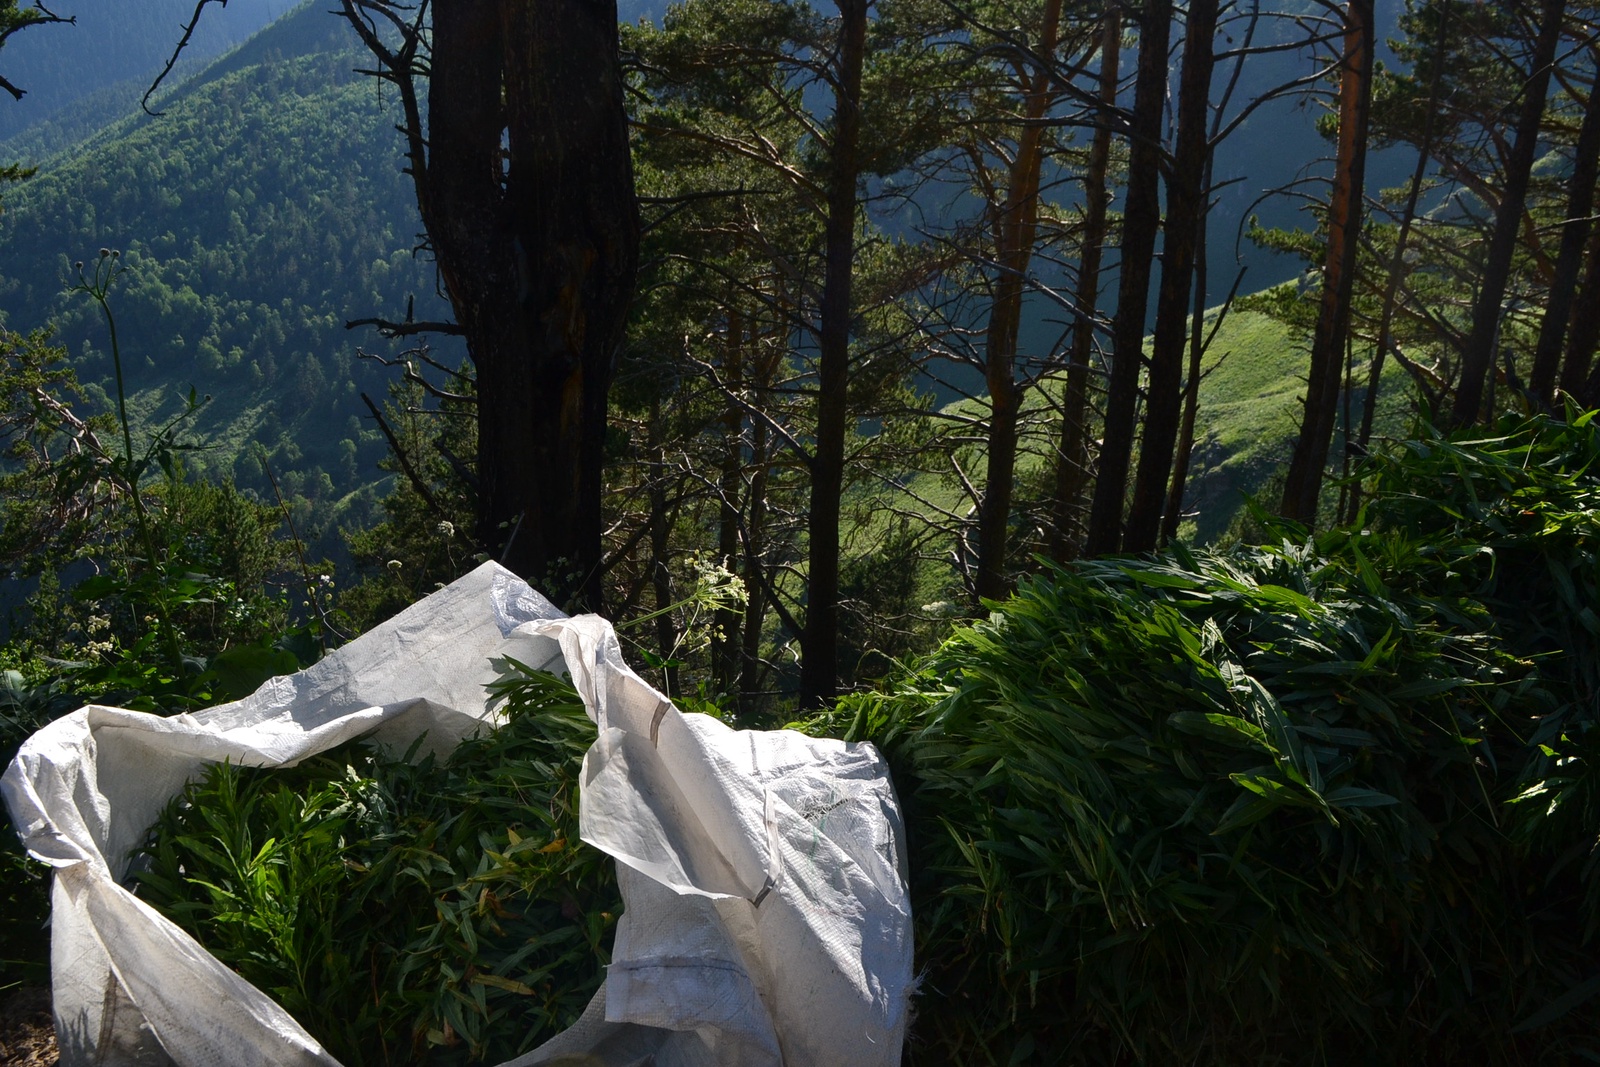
439	911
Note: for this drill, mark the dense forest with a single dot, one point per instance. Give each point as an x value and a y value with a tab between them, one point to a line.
245	264
834	350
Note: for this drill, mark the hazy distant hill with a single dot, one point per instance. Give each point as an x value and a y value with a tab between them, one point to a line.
263	209
111	55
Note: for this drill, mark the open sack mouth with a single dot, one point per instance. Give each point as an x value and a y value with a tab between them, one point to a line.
762	872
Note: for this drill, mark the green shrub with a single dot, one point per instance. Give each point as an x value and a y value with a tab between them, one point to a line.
1516	517
1323	802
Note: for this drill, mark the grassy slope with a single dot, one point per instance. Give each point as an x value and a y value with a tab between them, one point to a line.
1250	398
1249	415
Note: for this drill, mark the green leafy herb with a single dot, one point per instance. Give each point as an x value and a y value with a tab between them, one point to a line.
405	910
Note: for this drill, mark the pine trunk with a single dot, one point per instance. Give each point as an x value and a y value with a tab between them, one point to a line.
725	644
1584	336
1072	460
1303	485
660	546
1015	232
1575	229
1173	515
755	610
1185	189
819	652
1141	218
1478	355
1391	290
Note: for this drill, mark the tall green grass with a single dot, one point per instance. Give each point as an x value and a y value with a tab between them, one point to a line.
1323	801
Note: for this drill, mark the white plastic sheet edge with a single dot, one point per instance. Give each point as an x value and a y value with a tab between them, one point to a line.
767	919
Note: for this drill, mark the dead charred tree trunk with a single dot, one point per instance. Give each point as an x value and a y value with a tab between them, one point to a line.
1185	193
1015	231
1141	219
525	186
1303	484
819	641
1072	462
1478	354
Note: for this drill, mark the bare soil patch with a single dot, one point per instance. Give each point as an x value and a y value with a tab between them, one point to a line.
27	1031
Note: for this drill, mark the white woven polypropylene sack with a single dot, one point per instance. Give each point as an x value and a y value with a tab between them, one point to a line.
766	919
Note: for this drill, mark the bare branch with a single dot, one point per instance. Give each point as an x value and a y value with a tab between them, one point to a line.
390	329
405	464
751	410
38	16
172	60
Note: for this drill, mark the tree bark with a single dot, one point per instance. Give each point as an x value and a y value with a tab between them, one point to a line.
1072	461
1478	354
525	185
1015	232
660	545
1303	485
725	639
755	610
1584	336
819	661
1173	515
1198	341
1185	190
1141	218
1575	230
1391	290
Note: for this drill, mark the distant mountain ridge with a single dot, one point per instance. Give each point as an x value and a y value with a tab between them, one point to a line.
115	46
263	209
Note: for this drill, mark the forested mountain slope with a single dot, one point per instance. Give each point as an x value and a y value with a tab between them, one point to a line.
267	206
263	209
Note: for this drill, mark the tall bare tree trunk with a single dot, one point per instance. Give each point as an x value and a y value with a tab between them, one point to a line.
1303	485
660	543
819	663
1185	190
1173	514
725	645
1141	218
1391	286
1575	229
1015	231
1478	355
1585	333
1198	340
1072	461
755	610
